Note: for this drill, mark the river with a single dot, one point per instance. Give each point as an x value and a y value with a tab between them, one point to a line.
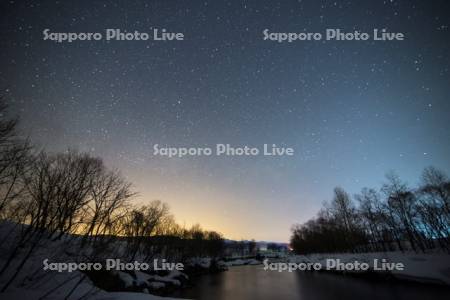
252	282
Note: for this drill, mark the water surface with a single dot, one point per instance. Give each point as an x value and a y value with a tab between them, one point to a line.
252	282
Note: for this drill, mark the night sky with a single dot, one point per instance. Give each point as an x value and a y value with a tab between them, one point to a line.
352	110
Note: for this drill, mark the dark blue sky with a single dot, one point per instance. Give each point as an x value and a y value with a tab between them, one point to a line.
352	110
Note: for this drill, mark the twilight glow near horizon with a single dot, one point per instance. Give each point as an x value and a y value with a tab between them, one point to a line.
352	110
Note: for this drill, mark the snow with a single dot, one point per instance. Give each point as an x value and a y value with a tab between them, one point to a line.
433	267
241	262
130	296
142	277
21	294
156	285
202	262
34	283
167	279
152	281
126	278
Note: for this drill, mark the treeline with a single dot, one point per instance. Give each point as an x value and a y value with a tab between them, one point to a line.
396	217
241	248
74	198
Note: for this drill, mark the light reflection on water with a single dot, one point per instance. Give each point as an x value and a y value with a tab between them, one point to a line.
252	282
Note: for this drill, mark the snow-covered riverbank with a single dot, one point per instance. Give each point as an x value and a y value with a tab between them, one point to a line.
36	282
420	267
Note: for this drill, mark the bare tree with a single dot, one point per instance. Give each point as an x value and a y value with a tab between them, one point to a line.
141	223
14	159
403	219
108	198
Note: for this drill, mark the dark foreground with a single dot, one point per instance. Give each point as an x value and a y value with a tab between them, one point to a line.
252	282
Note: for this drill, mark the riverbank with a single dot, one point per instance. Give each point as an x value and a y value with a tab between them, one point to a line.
43	275
432	267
